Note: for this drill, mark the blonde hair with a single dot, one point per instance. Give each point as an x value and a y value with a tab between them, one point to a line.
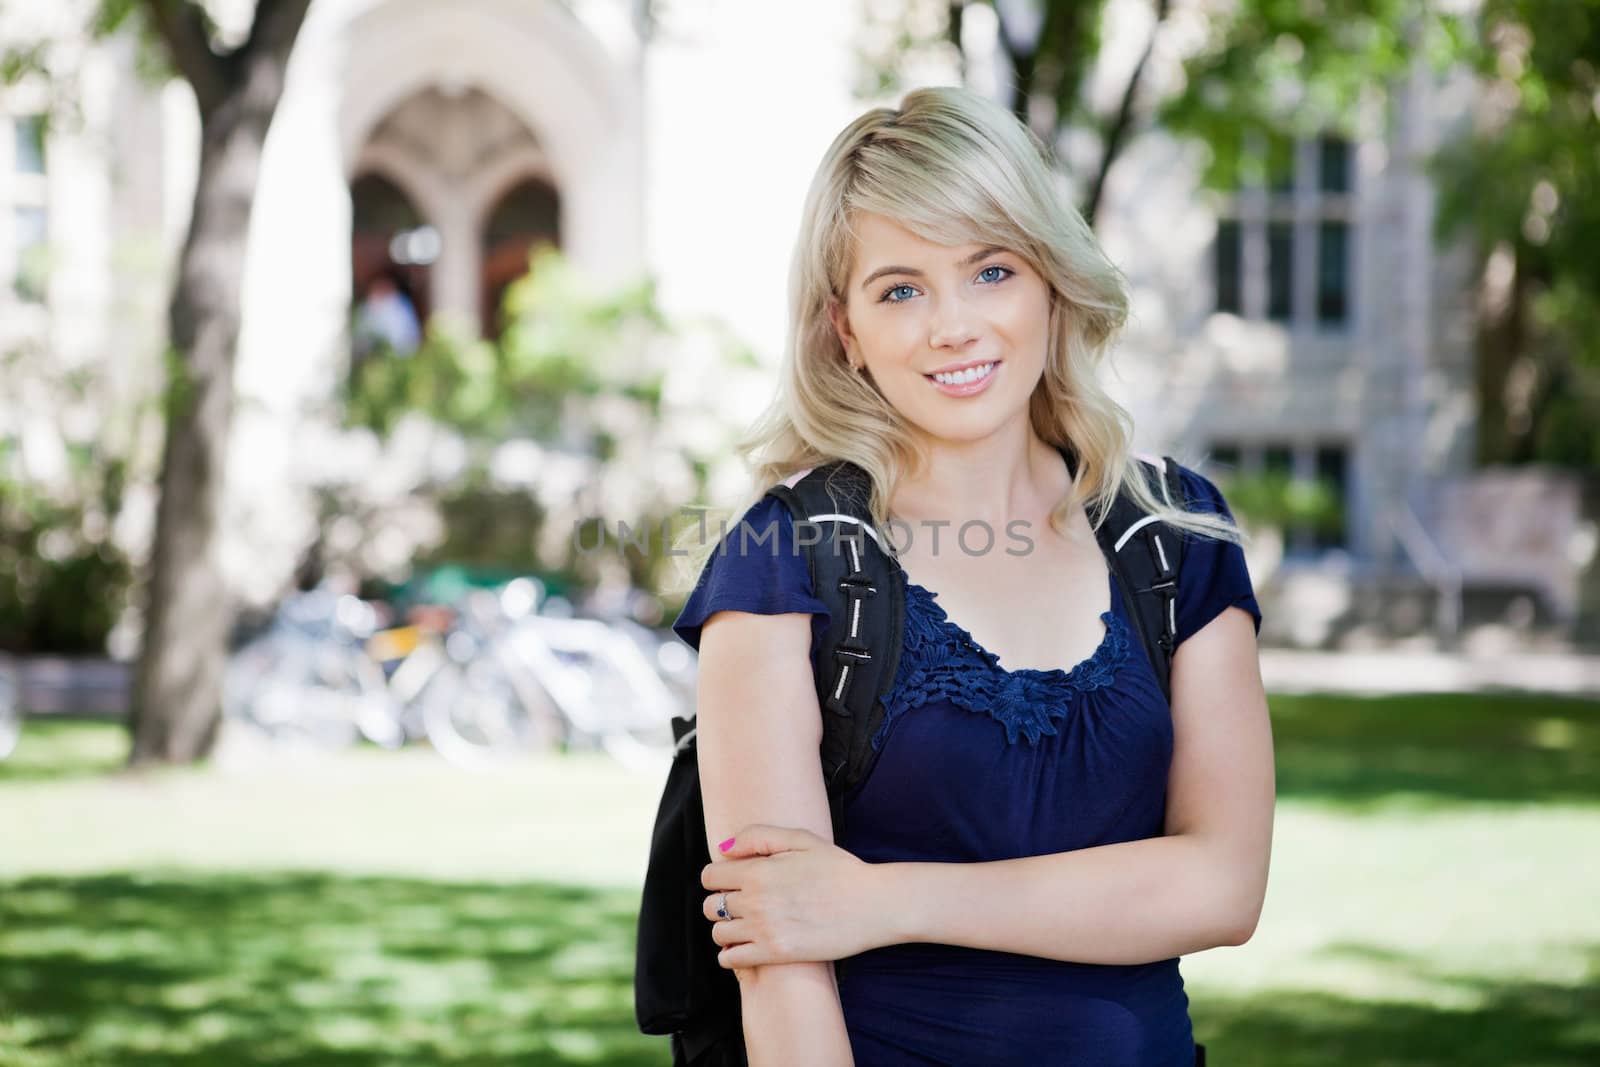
954	168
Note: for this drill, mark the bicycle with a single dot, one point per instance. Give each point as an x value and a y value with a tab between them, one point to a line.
523	675
308	679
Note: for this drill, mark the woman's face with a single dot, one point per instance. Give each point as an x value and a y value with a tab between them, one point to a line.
913	308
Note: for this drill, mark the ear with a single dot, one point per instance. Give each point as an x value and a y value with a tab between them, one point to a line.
841	323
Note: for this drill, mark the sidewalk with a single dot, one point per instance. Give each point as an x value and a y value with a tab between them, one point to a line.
1375	672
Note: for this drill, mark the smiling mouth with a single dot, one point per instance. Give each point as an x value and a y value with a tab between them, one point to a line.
967	376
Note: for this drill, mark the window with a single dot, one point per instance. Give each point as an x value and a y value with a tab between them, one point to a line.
1280	164
1284	242
1229	266
1303	484
1333	271
30	233
1280	271
1278	459
24	257
1224	457
1333	165
1331	464
29	157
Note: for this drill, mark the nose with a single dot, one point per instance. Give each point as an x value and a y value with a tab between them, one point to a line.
954	324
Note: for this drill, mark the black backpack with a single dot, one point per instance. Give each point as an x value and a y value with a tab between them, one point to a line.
679	987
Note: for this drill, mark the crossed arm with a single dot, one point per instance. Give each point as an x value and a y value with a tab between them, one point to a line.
758	728
1199	886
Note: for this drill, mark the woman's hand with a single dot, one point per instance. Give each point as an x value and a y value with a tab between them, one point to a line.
793	898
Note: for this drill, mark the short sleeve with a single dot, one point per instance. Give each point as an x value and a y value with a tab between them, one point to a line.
756	567
1214	575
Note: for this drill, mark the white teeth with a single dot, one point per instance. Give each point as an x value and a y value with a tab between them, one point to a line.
962	377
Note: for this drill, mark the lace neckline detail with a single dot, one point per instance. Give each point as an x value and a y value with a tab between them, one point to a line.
941	660
929	601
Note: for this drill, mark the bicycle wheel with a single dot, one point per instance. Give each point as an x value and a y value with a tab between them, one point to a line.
638	729
473	717
377	713
613	690
294	691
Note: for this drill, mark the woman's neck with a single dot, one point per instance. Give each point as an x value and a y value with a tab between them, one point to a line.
996	479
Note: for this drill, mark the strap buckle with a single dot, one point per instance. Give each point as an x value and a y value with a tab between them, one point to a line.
857	584
854	651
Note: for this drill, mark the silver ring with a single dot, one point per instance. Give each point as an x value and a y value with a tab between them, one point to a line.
722	909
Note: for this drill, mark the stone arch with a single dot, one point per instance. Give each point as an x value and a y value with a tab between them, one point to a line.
543	65
456	146
382	206
525	215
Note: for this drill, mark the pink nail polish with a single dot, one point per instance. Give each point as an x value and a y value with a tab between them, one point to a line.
726	845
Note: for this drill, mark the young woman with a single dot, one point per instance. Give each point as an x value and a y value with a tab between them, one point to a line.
1042	835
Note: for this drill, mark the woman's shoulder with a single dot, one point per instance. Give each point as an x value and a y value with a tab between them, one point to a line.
757	565
1214	574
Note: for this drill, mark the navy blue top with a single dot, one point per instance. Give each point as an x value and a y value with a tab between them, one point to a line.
980	763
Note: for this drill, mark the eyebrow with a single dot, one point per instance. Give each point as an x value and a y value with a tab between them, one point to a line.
980	254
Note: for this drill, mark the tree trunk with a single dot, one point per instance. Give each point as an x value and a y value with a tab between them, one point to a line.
188	613
1498	343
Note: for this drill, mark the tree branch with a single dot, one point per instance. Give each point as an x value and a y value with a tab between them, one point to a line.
1118	129
1022	67
953	18
272	34
182	28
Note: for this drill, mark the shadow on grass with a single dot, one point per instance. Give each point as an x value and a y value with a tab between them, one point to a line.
184	970
1437	748
1526	1023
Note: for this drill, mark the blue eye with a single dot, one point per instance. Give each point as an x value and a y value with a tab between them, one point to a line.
888	296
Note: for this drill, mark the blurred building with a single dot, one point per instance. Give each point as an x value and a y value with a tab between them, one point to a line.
1312	327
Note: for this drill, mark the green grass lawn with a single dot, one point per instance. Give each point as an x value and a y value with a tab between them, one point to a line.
1432	902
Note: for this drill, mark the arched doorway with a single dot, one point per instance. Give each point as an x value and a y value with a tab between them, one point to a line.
392	249
384	225
526	217
456	149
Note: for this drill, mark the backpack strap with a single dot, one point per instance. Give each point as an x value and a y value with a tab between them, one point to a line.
1146	555
854	573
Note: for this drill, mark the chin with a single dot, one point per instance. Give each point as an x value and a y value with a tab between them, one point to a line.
974	426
